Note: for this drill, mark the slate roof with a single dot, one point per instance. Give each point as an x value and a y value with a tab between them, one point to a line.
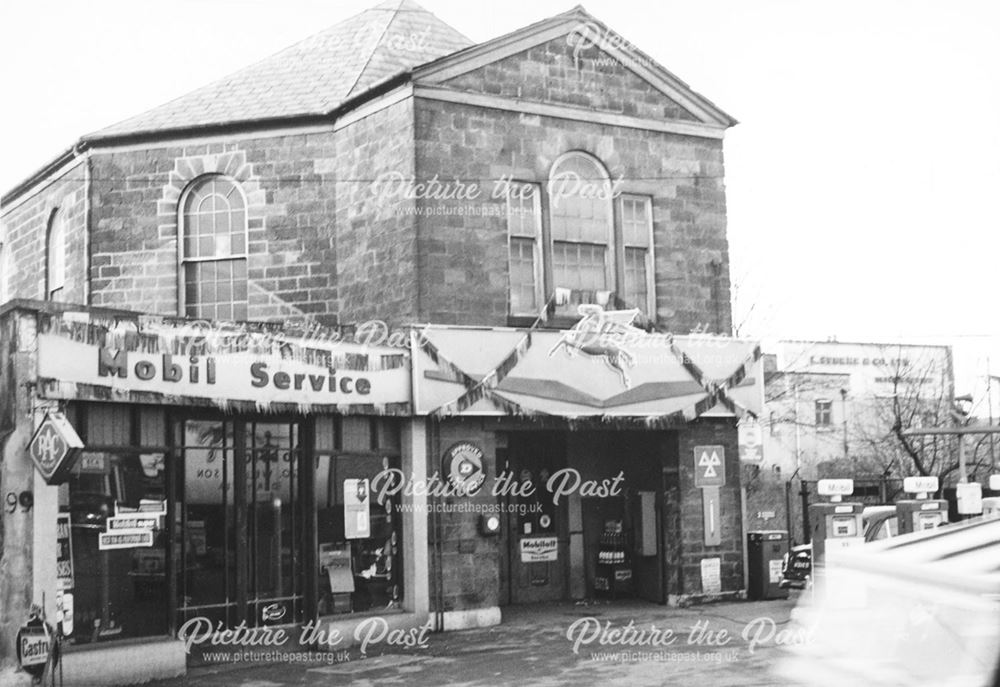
313	76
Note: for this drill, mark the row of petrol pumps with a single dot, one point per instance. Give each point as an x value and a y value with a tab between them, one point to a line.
838	524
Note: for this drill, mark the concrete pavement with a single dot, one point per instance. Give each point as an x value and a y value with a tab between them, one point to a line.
566	644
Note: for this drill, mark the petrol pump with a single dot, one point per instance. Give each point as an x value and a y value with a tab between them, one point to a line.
991	504
835	525
920	513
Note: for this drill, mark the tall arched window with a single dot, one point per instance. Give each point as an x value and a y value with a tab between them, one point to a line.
55	257
581	223
213	249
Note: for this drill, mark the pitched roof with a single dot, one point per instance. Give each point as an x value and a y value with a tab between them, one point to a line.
313	76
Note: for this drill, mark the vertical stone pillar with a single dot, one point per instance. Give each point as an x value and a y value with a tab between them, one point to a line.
17	476
416	578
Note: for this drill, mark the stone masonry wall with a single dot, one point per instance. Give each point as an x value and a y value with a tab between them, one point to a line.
376	228
25	232
708	432
463	243
565	71
470	562
288	183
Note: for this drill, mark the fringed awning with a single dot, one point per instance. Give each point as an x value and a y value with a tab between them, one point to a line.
602	372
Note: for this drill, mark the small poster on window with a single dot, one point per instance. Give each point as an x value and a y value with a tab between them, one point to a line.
357	523
197	539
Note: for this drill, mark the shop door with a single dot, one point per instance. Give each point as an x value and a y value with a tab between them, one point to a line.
237	514
537	530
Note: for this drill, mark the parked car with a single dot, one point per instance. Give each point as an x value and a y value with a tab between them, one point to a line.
796	567
878	522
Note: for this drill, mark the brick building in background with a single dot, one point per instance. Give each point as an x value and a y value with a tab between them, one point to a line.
386	169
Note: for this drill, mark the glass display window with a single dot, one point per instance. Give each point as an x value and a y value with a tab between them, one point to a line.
116	510
358	526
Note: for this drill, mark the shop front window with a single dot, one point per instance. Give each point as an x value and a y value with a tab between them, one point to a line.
239	532
115	579
358	523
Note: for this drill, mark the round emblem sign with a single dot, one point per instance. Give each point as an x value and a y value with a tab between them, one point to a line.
462	466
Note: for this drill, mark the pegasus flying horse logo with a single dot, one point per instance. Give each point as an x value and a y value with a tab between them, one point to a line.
601	334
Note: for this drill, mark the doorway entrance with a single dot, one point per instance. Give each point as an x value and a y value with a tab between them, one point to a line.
605	534
538	531
238	522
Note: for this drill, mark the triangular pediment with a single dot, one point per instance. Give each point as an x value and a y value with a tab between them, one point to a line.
574	60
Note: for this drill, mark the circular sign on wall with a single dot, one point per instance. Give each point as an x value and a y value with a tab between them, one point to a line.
462	466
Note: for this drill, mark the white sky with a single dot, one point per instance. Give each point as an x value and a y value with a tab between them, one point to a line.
862	180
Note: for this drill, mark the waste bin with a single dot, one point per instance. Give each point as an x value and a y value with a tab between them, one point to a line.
765	552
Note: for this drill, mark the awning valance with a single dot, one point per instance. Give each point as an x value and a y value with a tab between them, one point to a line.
597	370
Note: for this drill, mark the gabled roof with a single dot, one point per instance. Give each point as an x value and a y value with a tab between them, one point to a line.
590	31
312	77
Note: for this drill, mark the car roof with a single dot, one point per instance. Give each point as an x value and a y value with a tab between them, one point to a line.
876	511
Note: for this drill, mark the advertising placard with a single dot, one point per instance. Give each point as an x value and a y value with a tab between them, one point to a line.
539	549
124	540
711	575
751	442
357	521
117	523
64	553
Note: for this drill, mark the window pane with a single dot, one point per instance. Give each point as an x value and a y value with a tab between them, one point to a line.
214	225
636	283
579	198
635	221
223	245
206	247
522	276
56	256
522	218
579	266
208	292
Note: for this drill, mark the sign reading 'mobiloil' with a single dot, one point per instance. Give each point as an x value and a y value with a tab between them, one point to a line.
74	368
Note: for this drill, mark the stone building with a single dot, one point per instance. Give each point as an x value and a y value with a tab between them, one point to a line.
229	284
829	410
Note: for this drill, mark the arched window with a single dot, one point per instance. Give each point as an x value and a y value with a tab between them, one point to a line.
213	249
55	258
582	224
